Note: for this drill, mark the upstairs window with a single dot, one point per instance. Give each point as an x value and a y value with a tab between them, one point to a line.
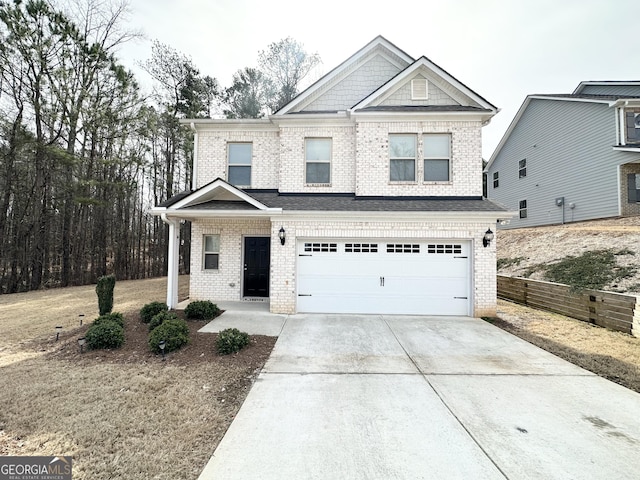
211	252
633	127
522	168
496	180
317	153
437	157
523	209
240	164
402	158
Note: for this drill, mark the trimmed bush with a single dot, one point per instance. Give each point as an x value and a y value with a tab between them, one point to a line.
150	310
231	340
104	289
160	318
201	310
105	334
110	317
174	332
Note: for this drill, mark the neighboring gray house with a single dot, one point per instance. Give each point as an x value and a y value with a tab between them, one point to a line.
571	157
362	195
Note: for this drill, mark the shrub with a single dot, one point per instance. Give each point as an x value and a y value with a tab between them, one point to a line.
231	340
201	310
160	318
110	317
174	332
104	289
105	334
150	310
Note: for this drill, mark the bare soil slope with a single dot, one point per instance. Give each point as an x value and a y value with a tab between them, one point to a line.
523	250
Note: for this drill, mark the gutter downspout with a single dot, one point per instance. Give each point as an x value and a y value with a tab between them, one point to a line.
173	260
194	169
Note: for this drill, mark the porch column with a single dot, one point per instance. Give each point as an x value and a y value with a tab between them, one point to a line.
173	261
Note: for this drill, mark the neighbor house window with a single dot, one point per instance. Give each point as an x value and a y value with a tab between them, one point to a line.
633	127
496	180
633	183
437	157
211	252
317	152
240	164
523	209
522	168
402	158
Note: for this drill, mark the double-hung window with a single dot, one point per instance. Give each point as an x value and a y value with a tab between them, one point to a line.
402	158
496	179
523	209
437	157
211	251
522	168
317	152
240	164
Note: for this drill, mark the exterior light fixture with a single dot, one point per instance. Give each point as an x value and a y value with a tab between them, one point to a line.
162	345
281	235
81	342
58	330
488	236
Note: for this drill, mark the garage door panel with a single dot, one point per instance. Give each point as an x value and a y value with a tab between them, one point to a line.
399	277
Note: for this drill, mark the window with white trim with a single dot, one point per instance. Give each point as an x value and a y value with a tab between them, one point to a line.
317	153
211	252
437	157
239	160
522	168
496	180
523	209
402	158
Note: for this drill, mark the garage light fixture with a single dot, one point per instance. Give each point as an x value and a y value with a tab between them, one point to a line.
488	236
281	235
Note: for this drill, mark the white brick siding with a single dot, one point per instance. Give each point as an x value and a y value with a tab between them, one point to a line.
372	159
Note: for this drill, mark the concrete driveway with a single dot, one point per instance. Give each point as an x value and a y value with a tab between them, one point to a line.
400	397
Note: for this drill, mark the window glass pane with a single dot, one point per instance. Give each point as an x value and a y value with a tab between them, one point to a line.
212	243
239	175
436	170
239	154
318	172
402	146
637	181
436	146
318	149
403	171
211	261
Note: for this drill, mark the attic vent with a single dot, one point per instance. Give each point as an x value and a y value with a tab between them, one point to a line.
419	89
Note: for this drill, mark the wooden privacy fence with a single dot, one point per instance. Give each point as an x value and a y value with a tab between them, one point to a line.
606	309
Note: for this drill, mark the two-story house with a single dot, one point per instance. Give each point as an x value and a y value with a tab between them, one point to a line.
362	195
571	157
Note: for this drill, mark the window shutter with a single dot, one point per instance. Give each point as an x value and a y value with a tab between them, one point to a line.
419	89
632	192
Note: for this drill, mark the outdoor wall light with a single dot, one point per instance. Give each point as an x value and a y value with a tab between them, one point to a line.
81	342
281	235
162	346
58	330
488	236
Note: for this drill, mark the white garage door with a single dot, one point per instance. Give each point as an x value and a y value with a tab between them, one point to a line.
388	276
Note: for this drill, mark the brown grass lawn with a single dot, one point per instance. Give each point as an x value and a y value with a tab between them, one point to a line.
122	414
612	355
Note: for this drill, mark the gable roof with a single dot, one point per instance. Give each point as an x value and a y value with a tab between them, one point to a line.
379	43
608	83
433	71
609	100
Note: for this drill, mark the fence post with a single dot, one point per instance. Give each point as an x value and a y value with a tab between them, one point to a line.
635	327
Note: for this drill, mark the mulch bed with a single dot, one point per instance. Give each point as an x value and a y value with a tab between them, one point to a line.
201	347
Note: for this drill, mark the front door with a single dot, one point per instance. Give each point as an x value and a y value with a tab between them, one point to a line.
257	253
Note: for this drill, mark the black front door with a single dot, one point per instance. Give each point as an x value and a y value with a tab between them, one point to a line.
257	253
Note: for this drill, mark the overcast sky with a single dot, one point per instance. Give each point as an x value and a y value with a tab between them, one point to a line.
501	49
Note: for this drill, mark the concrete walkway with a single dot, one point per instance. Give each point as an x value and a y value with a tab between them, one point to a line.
391	397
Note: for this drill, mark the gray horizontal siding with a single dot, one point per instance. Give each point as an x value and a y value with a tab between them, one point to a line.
631	90
568	147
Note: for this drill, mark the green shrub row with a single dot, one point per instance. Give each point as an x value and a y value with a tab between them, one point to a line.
106	331
231	340
201	310
175	334
150	310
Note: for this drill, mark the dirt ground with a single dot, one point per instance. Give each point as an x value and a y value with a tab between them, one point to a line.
121	414
545	245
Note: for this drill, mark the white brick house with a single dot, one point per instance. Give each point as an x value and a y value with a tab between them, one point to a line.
362	195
